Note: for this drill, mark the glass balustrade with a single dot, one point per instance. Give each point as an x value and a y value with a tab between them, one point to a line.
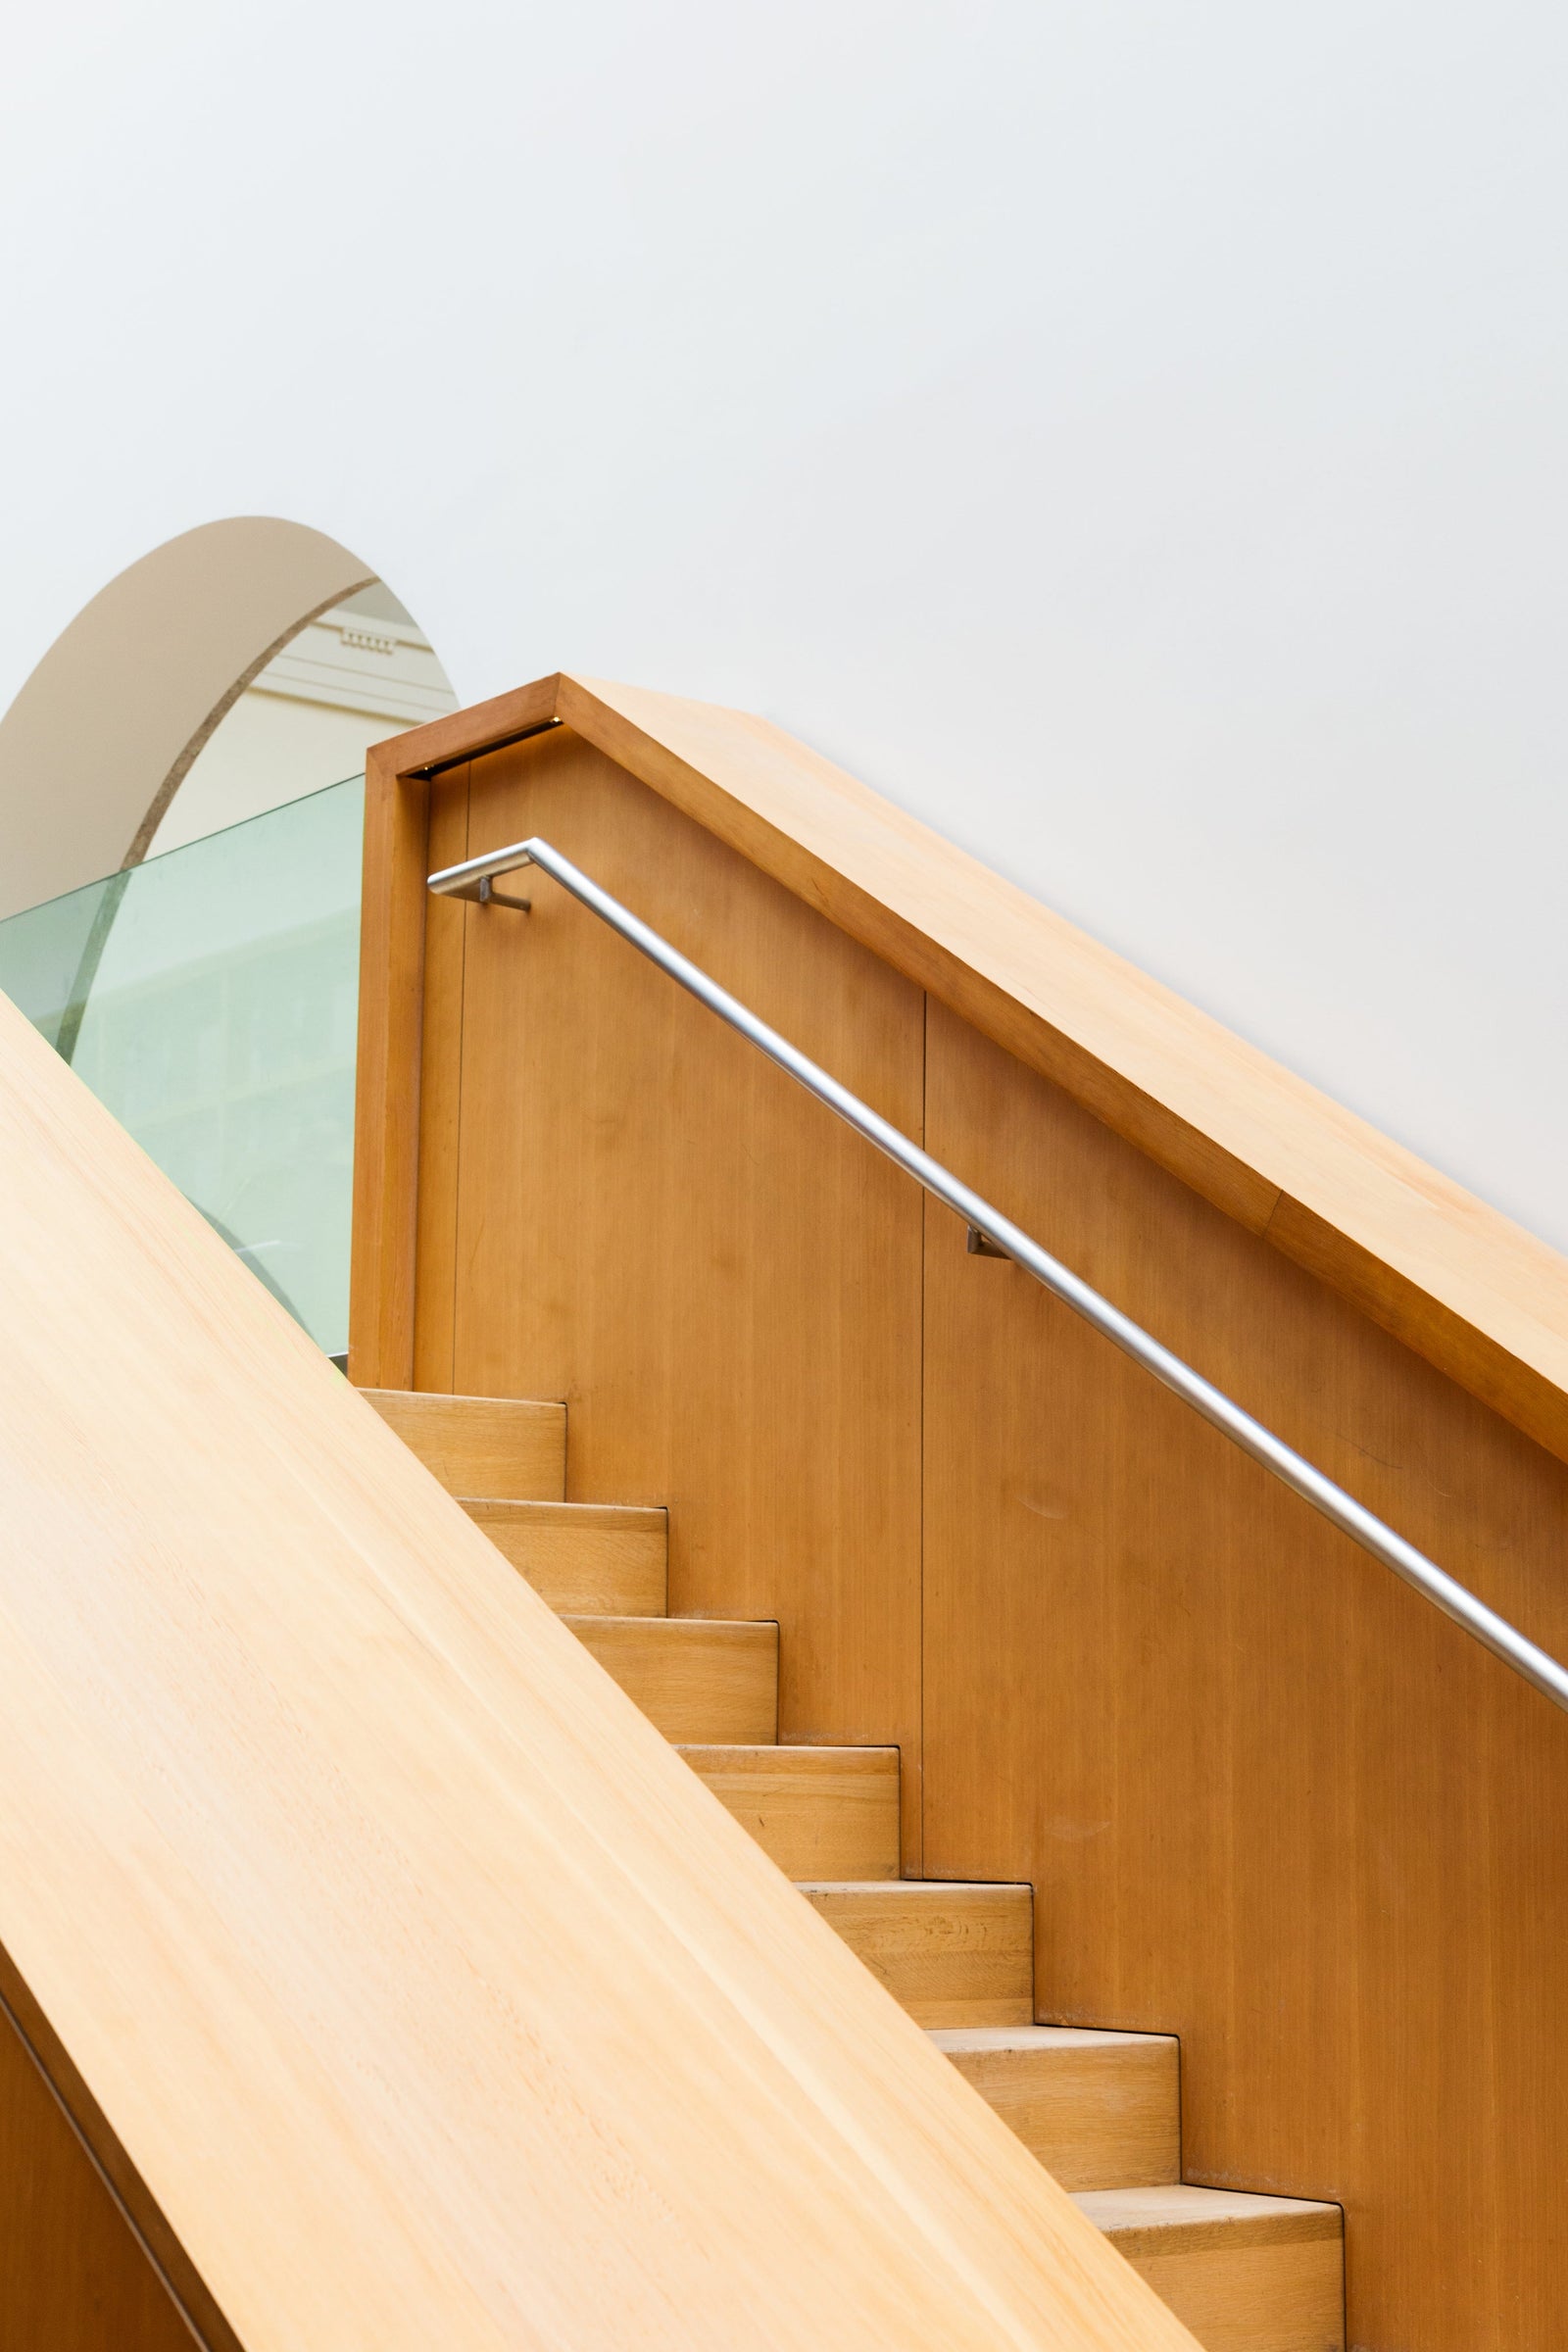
210	997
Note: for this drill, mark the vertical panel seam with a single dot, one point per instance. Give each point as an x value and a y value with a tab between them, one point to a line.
925	1216
457	1109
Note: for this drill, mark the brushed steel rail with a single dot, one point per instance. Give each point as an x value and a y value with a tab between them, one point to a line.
995	1235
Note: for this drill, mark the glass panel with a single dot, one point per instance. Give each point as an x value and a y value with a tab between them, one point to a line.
210	997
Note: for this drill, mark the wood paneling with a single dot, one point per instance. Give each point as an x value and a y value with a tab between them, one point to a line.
1270	1798
1474	1293
439	1078
388	1108
427	1994
656	1225
73	2278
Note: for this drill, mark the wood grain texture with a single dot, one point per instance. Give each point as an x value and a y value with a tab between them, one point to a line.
951	1955
500	1448
422	1988
695	1679
1099	2110
1453	1279
1245	2274
1269	1799
388	1109
73	2277
582	1556
429	1346
713	1273
813	1810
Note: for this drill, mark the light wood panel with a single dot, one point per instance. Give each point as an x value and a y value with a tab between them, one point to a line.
1470	1290
694	1677
426	1340
1246	2274
951	1955
422	1988
1099	2110
1270	1800
582	1555
657	1226
812	1810
498	1448
1480	1298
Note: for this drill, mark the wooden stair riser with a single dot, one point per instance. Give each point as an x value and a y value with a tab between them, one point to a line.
951	1955
816	1811
695	1679
584	1558
1099	2110
481	1445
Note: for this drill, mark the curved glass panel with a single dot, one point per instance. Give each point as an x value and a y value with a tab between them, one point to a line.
210	999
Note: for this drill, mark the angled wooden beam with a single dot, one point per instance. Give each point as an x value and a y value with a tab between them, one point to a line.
412	1990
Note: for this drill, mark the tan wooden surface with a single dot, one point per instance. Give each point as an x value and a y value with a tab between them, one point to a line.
693	1677
582	1555
1246	2274
490	1447
951	1955
1099	2110
418	1981
1270	1800
425	1335
72	2276
811	1809
636	1192
1460	1283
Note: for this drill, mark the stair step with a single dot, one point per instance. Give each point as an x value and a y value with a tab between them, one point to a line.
585	1558
481	1445
1246	2274
951	1954
1099	2110
814	1810
703	1679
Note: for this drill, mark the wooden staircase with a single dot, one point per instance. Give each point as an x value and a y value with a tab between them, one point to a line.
1100	2110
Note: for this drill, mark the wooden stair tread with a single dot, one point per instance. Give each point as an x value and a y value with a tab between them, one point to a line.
958	2041
812	1809
951	1952
1180	2214
1100	2110
706	1678
1244	2273
582	1558
501	1445
1098	2107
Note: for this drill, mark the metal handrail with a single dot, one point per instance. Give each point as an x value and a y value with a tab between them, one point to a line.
998	1235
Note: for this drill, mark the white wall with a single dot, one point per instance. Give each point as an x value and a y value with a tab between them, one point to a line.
1130	435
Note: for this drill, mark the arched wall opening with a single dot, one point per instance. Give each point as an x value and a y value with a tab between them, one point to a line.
180	813
121	712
